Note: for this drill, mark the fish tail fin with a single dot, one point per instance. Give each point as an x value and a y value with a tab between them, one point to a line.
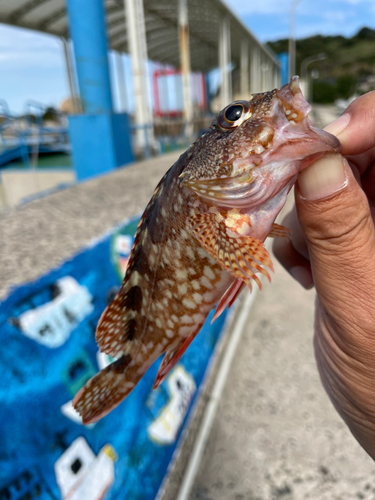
103	392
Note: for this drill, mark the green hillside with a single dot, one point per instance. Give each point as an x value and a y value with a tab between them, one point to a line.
348	69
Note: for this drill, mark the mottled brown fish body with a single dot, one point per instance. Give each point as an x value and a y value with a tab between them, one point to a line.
200	239
171	285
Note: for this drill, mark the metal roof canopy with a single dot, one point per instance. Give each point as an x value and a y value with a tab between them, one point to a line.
161	20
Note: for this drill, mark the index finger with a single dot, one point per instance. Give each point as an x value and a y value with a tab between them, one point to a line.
355	128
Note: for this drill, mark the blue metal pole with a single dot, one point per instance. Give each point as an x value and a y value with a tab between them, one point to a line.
88	32
284	63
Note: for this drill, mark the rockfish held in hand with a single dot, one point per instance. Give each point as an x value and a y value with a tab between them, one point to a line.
201	237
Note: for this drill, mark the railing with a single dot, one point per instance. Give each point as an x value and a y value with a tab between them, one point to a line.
20	136
12	141
166	134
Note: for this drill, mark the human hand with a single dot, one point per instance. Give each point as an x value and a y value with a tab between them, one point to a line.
333	248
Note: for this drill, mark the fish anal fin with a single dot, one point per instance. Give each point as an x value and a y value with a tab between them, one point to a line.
173	356
223	235
278	231
228	297
103	392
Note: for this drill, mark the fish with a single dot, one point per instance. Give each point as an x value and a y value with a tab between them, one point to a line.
201	238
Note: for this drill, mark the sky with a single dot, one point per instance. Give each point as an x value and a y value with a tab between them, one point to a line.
32	64
269	19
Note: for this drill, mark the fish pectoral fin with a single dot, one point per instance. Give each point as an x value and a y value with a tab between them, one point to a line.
242	256
103	392
173	356
229	296
278	231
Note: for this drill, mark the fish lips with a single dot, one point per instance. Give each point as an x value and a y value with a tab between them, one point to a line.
329	139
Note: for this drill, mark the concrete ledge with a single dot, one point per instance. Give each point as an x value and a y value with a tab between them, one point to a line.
37	236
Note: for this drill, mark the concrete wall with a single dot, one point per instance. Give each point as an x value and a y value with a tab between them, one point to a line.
16	184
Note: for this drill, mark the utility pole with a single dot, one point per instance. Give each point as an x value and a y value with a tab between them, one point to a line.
292	41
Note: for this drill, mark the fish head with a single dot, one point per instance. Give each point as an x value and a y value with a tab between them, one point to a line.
255	148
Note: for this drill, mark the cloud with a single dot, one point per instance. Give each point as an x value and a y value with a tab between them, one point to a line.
31	67
20	47
246	7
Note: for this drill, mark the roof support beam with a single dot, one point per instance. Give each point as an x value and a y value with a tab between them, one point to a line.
25	9
58	14
193	33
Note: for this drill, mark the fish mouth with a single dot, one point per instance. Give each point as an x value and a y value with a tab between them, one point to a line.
257	178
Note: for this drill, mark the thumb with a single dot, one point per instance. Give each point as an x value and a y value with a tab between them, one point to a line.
335	216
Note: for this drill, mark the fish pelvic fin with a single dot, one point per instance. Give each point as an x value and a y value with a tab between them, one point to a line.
278	231
173	356
229	296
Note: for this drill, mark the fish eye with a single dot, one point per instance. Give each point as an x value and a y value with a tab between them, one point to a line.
233	115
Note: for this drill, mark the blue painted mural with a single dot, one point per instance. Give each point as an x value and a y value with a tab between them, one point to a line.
48	352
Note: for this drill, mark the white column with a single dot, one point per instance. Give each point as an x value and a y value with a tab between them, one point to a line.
263	74
121	81
244	69
185	65
255	71
138	52
147	79
268	74
225	62
276	76
251	53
